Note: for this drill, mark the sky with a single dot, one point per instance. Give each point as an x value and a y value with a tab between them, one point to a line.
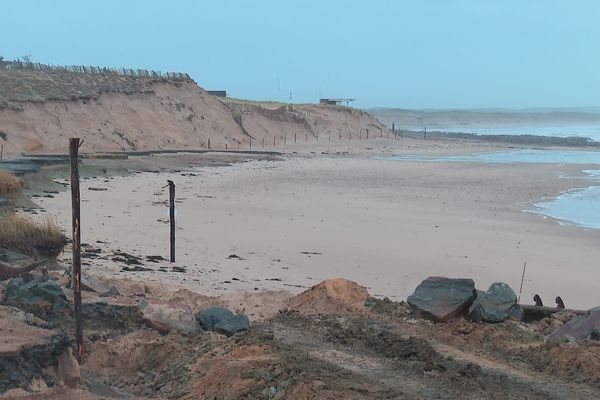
421	54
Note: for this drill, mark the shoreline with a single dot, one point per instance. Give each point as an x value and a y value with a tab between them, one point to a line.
304	218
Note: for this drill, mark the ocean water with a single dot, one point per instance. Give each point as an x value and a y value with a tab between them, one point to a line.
586	131
578	206
514	156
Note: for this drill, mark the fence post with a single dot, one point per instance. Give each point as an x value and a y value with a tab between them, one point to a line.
209	143
250	143
172	218
273	140
305	137
295	137
76	225
263	143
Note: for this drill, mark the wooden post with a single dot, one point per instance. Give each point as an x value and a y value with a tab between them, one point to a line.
367	134
172	217
263	143
284	140
425	133
250	143
393	127
76	225
317	136
238	144
209	143
340	135
273	140
2	152
295	134
305	137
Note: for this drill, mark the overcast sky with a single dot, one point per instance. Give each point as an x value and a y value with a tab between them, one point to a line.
409	54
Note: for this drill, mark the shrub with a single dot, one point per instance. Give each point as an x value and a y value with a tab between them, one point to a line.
9	183
19	233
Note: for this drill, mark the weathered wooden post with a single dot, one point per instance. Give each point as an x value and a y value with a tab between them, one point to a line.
393	128
340	134
263	143
238	144
295	137
172	217
76	225
284	140
273	140
2	152
317	136
305	137
209	143
367	134
425	133
250	143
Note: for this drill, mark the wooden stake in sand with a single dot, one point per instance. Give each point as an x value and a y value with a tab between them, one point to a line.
295	137
273	140
209	143
76	225
172	217
522	279
425	133
367	134
250	144
2	152
263	143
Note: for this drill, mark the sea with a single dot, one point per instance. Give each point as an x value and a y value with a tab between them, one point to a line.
578	206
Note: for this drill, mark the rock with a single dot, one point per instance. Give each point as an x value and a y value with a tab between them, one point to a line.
41	296
212	316
89	282
167	316
595	335
102	315
233	325
580	327
332	296
441	298
517	313
495	305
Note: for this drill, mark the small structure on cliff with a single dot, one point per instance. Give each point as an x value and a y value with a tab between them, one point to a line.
336	101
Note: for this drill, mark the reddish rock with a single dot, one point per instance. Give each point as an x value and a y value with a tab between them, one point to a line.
442	299
580	327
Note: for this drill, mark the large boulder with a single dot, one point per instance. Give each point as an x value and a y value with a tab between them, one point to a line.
212	316
442	299
580	327
495	305
233	325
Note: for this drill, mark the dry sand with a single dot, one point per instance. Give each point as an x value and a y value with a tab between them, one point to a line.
337	211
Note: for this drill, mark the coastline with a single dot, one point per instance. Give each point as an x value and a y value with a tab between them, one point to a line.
339	212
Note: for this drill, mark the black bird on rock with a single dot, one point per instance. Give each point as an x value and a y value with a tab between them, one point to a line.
538	300
559	302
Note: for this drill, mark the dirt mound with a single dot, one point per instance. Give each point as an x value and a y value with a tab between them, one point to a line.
578	363
332	296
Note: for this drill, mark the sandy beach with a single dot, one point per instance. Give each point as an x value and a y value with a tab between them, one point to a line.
338	210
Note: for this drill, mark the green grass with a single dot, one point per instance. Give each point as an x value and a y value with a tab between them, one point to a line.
20	85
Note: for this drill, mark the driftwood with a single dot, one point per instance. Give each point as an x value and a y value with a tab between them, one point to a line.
8	271
536	313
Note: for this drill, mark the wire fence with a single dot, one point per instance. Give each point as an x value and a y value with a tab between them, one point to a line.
82	69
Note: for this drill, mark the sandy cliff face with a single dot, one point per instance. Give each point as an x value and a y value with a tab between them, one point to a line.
171	116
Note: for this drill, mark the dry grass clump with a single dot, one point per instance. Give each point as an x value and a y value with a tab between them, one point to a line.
19	233
9	183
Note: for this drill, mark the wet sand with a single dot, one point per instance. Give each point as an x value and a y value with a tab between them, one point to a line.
337	211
